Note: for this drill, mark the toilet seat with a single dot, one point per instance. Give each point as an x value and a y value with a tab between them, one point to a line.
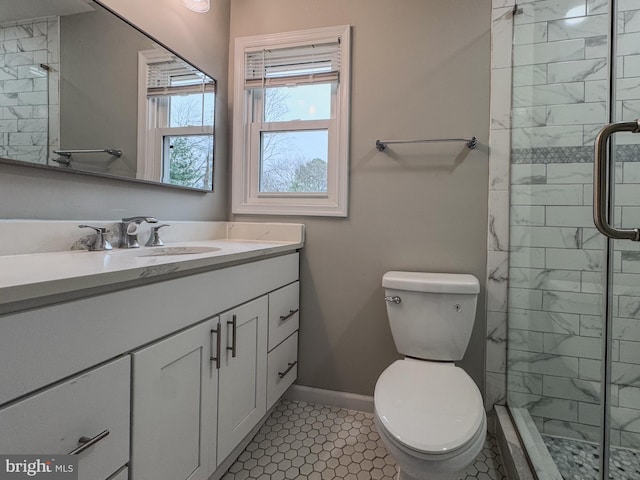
428	407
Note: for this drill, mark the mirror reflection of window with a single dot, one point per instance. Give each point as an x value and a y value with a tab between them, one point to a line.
177	121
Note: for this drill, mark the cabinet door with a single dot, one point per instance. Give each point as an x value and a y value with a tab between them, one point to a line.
242	383
174	406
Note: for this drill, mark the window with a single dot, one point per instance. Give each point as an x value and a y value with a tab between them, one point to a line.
290	132
175	138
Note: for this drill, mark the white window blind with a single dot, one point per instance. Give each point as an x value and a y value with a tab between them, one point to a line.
296	65
169	75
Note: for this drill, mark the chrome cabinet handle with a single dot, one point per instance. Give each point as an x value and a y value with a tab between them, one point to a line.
284	318
600	185
88	442
234	325
218	333
290	366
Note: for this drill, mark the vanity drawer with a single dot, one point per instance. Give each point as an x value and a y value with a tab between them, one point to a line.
52	421
282	368
284	316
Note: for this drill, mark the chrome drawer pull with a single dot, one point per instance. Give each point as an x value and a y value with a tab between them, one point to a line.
88	442
234	326
216	359
284	318
291	365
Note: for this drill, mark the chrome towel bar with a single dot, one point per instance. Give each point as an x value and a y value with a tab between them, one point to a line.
116	152
471	142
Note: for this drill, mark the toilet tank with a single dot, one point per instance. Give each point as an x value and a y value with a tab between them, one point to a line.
431	314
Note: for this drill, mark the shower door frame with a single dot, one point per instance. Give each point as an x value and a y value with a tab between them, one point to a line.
607	330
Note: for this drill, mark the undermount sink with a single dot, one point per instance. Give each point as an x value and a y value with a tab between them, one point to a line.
165	251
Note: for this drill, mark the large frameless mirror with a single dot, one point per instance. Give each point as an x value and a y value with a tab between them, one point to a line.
83	90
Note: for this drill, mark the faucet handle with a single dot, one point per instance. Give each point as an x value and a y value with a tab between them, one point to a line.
154	238
100	241
129	228
139	219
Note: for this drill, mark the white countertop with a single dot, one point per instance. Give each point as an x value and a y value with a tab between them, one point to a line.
30	276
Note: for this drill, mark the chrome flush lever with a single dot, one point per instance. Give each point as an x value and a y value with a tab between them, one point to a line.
395	299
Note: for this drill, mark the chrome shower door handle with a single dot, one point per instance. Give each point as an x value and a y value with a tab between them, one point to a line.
600	184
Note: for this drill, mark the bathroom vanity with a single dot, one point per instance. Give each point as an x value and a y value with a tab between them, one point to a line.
157	367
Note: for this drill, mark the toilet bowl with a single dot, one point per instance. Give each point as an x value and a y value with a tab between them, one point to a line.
429	412
431	418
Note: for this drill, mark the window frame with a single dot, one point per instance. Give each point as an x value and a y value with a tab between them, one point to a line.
246	197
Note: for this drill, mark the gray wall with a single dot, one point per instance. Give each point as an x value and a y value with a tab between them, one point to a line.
99	90
39	194
420	69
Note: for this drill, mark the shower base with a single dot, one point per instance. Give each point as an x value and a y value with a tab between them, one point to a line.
579	460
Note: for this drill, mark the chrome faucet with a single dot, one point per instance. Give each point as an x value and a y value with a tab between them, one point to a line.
130	230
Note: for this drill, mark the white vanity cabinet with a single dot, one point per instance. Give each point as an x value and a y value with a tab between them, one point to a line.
65	417
173	427
200	359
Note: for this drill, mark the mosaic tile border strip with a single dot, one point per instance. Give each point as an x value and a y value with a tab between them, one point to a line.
624	153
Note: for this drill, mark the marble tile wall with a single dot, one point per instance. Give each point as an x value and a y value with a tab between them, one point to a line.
556	256
28	91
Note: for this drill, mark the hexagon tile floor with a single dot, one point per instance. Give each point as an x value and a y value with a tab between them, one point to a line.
307	441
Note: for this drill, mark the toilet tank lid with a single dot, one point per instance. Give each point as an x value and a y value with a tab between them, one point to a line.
432	282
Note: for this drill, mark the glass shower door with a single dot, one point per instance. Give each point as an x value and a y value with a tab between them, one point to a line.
565	276
623	419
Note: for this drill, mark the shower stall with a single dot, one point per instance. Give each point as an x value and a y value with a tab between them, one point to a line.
573	348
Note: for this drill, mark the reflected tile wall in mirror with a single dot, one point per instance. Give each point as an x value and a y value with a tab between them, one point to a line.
29	66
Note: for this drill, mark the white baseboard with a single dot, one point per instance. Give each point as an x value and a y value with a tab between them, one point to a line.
351	401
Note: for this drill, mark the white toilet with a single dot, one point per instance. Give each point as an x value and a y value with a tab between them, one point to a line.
430	413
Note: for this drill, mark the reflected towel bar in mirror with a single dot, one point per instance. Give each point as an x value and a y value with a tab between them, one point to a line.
471	142
116	152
